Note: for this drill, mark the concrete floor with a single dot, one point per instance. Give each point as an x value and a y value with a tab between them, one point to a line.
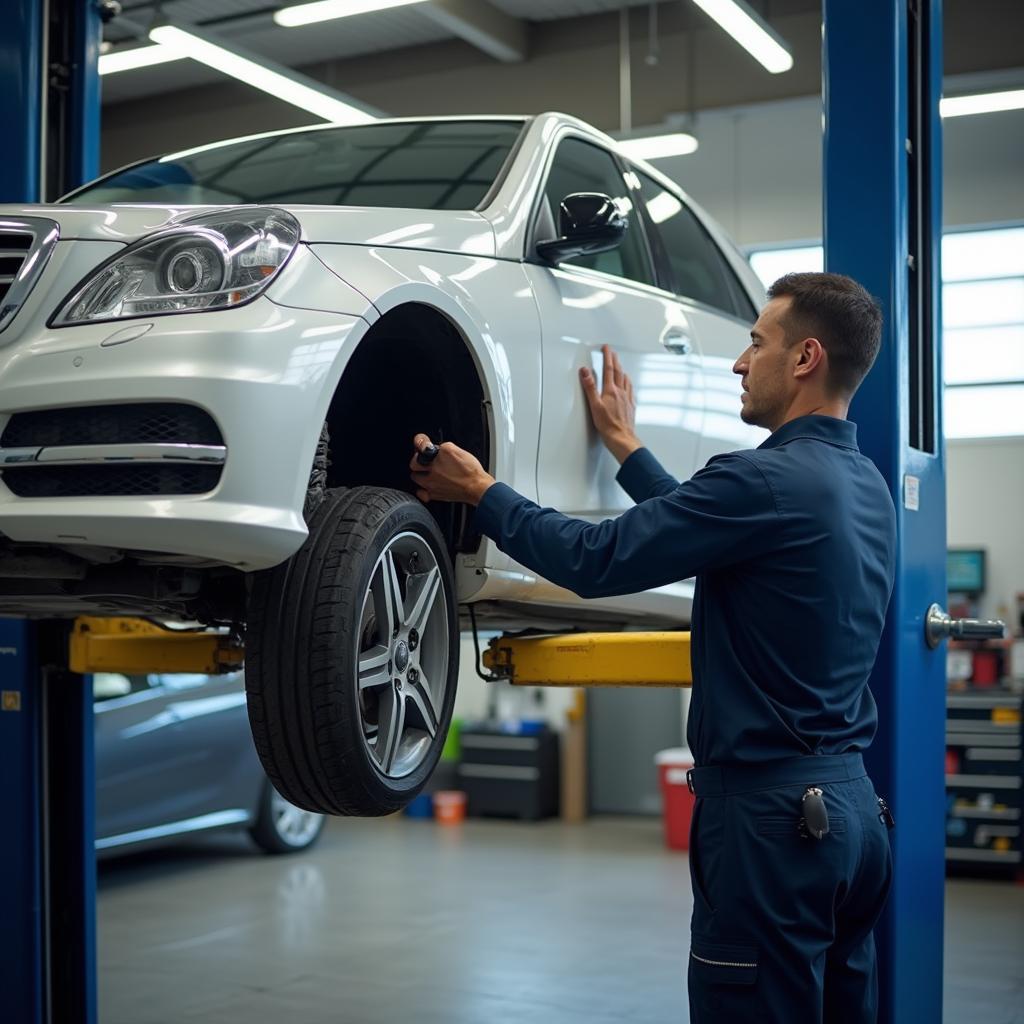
400	920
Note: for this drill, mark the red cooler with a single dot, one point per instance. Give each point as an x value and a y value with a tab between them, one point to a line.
676	799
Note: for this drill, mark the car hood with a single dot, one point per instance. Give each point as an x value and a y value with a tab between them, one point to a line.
437	230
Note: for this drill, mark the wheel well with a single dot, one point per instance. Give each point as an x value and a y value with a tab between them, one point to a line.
412	373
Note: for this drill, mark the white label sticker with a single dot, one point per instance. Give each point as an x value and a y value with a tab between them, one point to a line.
911	492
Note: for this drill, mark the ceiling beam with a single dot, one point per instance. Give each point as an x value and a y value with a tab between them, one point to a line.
481	24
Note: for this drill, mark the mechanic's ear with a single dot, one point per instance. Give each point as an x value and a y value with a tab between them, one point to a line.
811	356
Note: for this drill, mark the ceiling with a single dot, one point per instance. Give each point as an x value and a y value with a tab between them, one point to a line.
249	24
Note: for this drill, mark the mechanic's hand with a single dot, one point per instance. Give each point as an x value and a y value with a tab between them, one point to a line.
613	409
454	475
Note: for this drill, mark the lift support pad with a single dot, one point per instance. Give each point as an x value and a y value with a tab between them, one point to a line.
139	646
592	659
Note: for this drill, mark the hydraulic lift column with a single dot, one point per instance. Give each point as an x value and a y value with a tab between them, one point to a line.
882	66
49	120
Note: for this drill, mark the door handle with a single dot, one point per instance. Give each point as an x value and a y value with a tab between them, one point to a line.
678	342
938	626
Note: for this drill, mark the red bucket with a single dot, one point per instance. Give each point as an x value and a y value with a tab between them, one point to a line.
676	799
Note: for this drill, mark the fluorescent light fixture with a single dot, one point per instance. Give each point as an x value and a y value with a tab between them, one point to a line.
137	57
751	31
657	147
981	103
328	10
284	84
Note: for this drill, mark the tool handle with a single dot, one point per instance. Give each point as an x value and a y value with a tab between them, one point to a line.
427	455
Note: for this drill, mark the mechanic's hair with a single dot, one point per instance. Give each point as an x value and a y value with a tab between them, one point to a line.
842	315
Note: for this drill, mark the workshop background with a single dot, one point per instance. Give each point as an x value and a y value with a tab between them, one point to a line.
563	894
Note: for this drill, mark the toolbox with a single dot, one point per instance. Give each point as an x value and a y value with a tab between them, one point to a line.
509	774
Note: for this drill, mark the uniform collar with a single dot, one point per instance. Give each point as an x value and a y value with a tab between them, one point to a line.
816	428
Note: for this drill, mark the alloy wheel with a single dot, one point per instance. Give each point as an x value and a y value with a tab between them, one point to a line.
402	663
294	825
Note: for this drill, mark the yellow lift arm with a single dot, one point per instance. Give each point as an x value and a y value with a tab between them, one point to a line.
138	646
592	659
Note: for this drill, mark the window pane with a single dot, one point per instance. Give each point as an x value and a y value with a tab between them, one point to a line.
983	325
581	167
419	164
984	354
983	303
972	255
699	269
994	411
771	264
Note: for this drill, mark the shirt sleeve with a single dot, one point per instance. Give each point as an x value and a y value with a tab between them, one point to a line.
725	514
642	476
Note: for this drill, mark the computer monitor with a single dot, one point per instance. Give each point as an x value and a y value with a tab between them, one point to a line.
965	570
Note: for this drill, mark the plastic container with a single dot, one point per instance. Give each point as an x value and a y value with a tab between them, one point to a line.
421	806
676	799
449	806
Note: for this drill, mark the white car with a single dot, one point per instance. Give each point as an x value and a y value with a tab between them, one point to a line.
212	365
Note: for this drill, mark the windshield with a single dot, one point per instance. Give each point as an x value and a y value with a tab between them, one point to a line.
426	165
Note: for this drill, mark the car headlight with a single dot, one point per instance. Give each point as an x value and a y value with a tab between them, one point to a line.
213	261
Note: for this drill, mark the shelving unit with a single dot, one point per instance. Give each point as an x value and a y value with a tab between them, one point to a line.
985	792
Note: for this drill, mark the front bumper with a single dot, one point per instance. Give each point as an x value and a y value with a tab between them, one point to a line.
264	372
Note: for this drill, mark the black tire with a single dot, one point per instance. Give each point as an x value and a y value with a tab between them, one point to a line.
306	627
274	834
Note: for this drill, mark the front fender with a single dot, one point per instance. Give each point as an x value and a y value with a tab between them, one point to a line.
491	304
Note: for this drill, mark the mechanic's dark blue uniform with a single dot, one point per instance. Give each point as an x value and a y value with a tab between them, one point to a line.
793	547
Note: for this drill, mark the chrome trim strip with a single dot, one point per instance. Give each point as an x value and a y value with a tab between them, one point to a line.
107	454
45	233
219	819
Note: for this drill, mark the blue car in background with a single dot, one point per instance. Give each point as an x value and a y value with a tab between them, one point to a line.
175	758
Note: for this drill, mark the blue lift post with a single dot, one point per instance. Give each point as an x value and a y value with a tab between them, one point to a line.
49	117
883	213
882	66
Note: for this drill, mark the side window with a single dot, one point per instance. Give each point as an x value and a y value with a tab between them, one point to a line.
108	685
582	167
699	269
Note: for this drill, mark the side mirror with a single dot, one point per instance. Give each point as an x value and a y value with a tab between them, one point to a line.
588	223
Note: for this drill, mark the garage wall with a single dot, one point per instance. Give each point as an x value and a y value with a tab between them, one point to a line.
474	695
758	170
985	508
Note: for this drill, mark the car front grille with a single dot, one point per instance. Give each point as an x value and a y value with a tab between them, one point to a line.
25	247
141	423
14	249
110	481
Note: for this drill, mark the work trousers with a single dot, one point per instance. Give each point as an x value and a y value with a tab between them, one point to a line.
782	923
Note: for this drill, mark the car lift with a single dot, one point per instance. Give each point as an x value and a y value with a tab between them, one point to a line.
882	75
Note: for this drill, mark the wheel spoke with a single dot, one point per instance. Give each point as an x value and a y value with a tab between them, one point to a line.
427	585
422	696
389	734
393	592
286	819
373	667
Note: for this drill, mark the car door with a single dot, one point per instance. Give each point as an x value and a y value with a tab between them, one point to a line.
175	749
717	306
612	297
214	760
134	754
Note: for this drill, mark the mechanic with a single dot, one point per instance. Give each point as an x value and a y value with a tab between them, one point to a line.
793	548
